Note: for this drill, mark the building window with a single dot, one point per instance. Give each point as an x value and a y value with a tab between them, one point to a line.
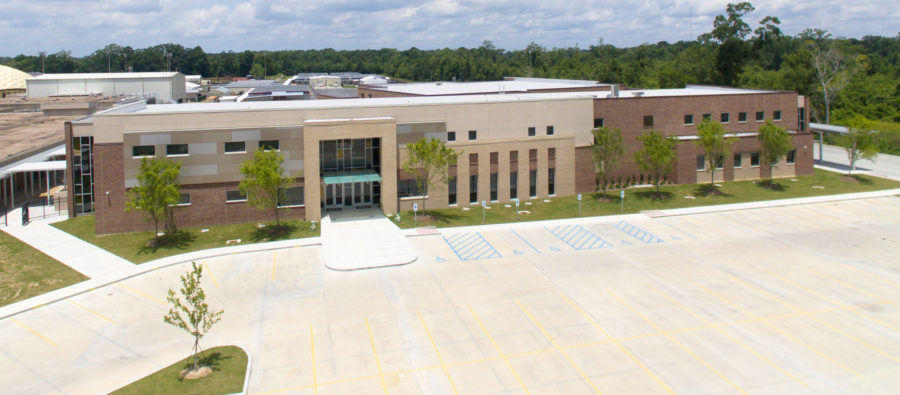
451	191
720	162
184	199
801	118
776	115
268	145
742	117
701	162
531	131
688	119
532	187
737	161
551	181
234	196
293	196
598	122
140	151
791	156
707	117
176	150
472	134
473	188
754	159
513	185
648	121
451	136
235	147
760	116
408	188
493	187
724	118
550	130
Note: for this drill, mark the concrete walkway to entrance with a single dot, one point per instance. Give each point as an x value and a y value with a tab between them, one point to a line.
85	258
355	239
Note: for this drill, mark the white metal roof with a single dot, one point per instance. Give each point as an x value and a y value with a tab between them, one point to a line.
462	88
38	166
100	76
824	127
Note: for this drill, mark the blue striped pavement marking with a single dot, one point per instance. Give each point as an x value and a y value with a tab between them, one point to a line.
577	237
638	233
471	246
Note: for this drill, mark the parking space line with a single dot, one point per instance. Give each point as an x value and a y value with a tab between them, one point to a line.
526	241
823	322
211	276
499	351
846	284
377	361
638	233
618	343
91	311
722	331
33	332
154	299
556	346
312	346
869	274
438	352
674	340
675	228
777	329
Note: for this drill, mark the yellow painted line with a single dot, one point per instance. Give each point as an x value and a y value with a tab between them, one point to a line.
274	254
33	332
821	321
857	289
211	276
92	311
438	352
556	346
497	347
155	299
844	283
674	340
779	330
870	274
375	352
312	346
722	331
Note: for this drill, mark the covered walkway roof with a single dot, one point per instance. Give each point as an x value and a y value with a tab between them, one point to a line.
345	177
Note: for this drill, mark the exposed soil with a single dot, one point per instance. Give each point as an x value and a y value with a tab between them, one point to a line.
201	372
849	179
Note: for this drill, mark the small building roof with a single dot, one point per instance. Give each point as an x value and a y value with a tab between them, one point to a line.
101	76
11	78
517	85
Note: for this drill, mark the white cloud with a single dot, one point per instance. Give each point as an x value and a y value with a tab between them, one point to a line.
83	26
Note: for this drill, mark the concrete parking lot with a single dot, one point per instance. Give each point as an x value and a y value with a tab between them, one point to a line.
799	299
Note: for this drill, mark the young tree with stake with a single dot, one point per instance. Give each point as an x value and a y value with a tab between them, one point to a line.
429	160
193	315
264	183
157	193
657	156
607	150
711	138
774	142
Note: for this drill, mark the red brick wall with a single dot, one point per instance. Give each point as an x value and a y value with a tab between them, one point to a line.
207	206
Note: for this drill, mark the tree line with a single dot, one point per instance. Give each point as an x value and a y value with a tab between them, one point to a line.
843	76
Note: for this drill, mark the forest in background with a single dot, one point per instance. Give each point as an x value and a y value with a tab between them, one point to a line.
844	77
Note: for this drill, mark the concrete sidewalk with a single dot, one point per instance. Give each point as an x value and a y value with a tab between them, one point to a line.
363	239
885	166
83	257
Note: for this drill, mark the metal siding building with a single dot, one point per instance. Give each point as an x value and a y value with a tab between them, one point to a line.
167	87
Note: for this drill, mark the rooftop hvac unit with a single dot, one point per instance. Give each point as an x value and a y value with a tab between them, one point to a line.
638	94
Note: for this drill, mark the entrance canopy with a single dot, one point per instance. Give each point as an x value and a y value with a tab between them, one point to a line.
346	177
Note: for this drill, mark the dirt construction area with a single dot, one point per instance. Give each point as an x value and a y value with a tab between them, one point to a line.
799	299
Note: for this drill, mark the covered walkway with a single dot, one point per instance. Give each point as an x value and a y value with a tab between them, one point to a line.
363	239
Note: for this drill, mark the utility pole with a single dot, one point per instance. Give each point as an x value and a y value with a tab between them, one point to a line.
126	61
108	61
168	58
43	54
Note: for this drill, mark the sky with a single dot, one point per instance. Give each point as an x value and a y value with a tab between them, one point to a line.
32	26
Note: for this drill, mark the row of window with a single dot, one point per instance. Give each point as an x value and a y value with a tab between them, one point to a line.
513	177
231	147
725	117
738	160
451	136
293	197
532	131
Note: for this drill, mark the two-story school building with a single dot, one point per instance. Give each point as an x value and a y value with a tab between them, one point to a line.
343	154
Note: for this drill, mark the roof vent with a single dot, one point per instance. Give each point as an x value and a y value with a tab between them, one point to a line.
638	94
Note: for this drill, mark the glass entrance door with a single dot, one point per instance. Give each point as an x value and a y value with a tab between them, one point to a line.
355	194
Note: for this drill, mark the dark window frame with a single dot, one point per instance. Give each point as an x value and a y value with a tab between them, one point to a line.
776	115
451	136
725	117
738	161
648	121
760	116
791	157
550	130
742	116
267	145
243	145
688	119
177	149
287	190
240	198
701	162
532	131
473	135
135	154
754	159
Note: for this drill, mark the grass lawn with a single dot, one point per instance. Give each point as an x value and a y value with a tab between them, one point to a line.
640	199
229	364
27	272
135	246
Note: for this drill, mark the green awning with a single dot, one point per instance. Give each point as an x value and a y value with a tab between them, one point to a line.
344	177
